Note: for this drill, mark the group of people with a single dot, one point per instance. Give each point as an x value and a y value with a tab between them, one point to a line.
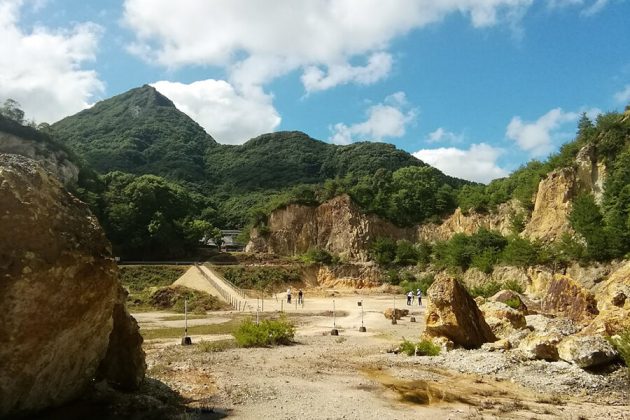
410	297
300	296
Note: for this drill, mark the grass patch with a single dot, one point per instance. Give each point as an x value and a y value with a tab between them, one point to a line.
514	302
421	348
261	277
181	317
174	332
267	332
137	278
172	298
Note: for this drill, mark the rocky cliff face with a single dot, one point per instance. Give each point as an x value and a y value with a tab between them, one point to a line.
55	161
458	222
59	289
336	225
552	206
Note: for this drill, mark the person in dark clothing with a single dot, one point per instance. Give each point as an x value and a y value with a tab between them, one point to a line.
300	297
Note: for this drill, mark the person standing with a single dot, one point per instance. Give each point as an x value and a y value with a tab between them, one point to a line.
300	297
419	294
289	295
409	298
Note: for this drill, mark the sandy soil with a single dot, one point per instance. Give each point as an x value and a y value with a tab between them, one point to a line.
352	376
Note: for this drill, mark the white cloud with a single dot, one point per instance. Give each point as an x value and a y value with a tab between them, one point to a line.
387	119
623	96
257	43
228	115
42	69
478	163
589	8
538	137
442	135
377	68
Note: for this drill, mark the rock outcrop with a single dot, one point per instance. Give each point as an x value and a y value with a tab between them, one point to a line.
613	303
56	161
586	351
459	222
399	313
337	226
564	297
502	319
59	292
453	313
354	276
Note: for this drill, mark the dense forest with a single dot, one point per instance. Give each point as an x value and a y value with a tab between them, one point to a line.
158	183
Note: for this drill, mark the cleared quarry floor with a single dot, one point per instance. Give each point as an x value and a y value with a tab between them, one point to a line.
353	376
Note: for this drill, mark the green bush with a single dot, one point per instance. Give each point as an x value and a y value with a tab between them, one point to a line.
485	290
319	255
261	277
136	278
172	298
513	303
266	333
423	283
621	343
383	251
421	348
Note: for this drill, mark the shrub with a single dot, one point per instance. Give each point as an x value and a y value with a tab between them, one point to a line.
173	298
423	283
406	253
383	251
513	285
513	303
485	290
319	255
266	333
621	343
421	348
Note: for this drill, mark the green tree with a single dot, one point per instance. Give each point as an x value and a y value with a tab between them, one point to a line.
12	110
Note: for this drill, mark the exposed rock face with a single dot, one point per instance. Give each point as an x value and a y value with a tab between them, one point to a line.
502	319
613	302
471	223
552	206
55	161
586	351
564	297
124	365
590	174
540	345
337	226
58	290
453	313
355	276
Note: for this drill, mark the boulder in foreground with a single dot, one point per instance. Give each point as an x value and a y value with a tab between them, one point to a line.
453	313
58	291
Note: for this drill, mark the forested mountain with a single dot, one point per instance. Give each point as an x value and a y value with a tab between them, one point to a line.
140	132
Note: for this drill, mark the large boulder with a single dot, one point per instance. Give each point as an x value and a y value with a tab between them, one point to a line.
502	319
399	313
453	313
586	351
512	299
58	291
546	333
564	297
613	302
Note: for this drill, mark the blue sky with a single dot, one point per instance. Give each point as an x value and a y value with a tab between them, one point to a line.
473	87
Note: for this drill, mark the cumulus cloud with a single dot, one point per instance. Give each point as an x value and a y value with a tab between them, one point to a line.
442	135
537	137
623	96
478	163
384	120
257	43
230	116
43	69
377	68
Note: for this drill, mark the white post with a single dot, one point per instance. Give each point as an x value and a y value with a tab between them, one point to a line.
185	317
334	316
361	312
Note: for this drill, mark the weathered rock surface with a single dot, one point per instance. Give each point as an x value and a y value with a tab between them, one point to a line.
502	319
124	365
453	313
564	297
58	290
552	206
505	296
586	351
458	222
55	161
541	346
337	226
355	276
613	303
